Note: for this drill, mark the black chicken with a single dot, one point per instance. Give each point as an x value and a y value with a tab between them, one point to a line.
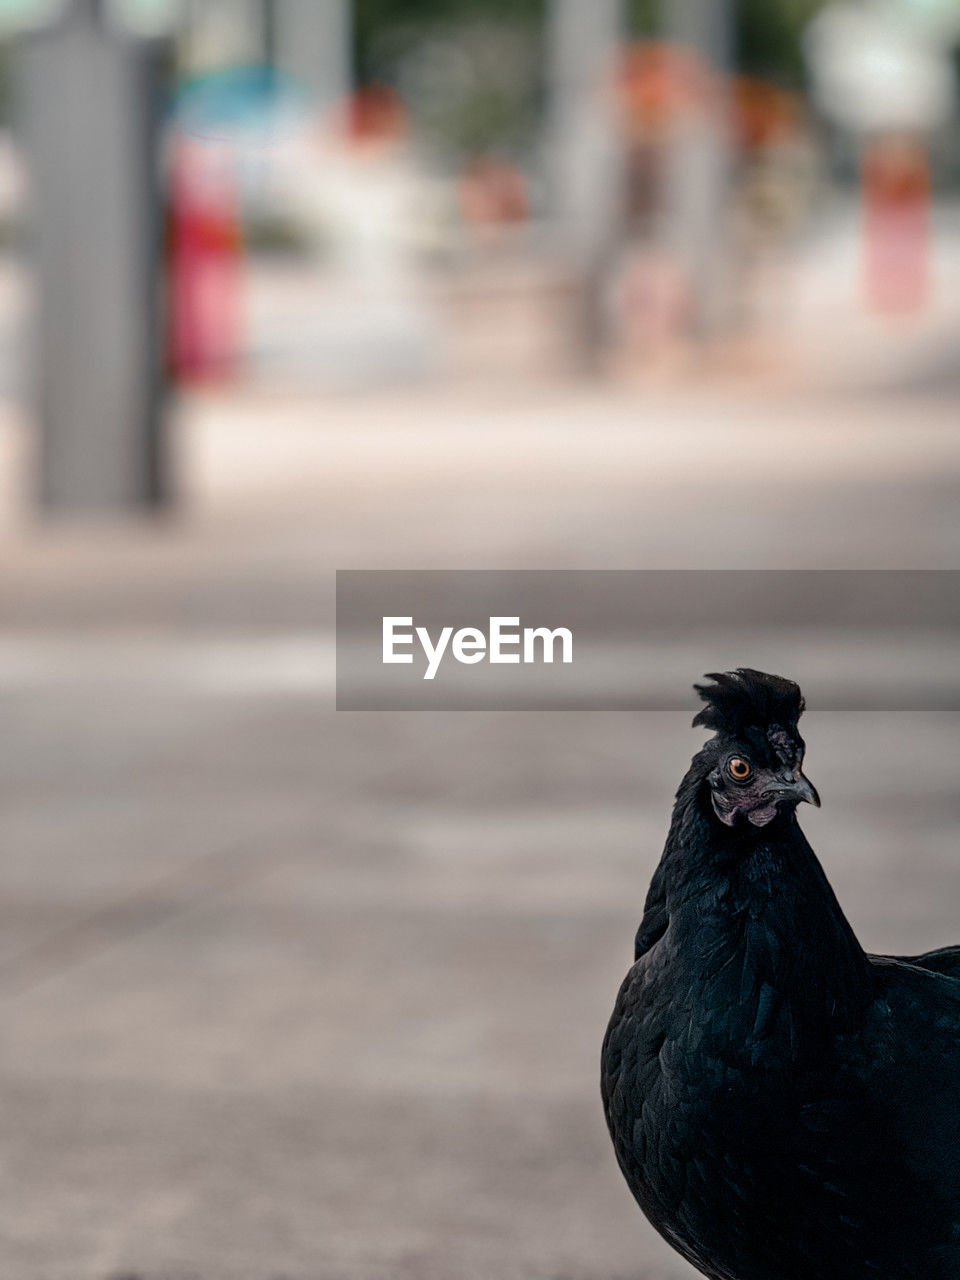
783	1106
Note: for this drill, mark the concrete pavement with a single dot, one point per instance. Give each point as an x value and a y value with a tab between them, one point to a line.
292	994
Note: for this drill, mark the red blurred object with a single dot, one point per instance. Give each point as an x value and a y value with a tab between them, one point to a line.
660	82
763	114
205	248
492	192
375	113
896	210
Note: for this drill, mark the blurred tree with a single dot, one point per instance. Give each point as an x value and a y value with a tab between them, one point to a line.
769	38
373	17
471	71
643	18
6	90
468	71
769	32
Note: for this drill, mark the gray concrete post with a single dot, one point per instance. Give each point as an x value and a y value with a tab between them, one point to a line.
586	149
698	171
87	98
313	44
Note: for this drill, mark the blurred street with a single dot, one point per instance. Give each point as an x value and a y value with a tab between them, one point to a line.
292	993
290	287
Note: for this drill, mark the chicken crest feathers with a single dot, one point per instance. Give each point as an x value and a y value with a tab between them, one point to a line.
745	698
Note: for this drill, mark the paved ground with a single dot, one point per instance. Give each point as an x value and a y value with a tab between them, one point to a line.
292	994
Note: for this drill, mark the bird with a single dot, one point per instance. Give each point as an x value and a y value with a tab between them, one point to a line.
783	1105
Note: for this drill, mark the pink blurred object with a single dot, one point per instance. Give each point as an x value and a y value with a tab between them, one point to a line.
492	192
896	211
205	248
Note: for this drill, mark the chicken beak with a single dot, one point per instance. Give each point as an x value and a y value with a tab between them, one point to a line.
805	790
798	787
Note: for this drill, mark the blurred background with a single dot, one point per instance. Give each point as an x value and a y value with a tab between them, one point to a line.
295	285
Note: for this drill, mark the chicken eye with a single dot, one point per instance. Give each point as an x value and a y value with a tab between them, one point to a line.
739	769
